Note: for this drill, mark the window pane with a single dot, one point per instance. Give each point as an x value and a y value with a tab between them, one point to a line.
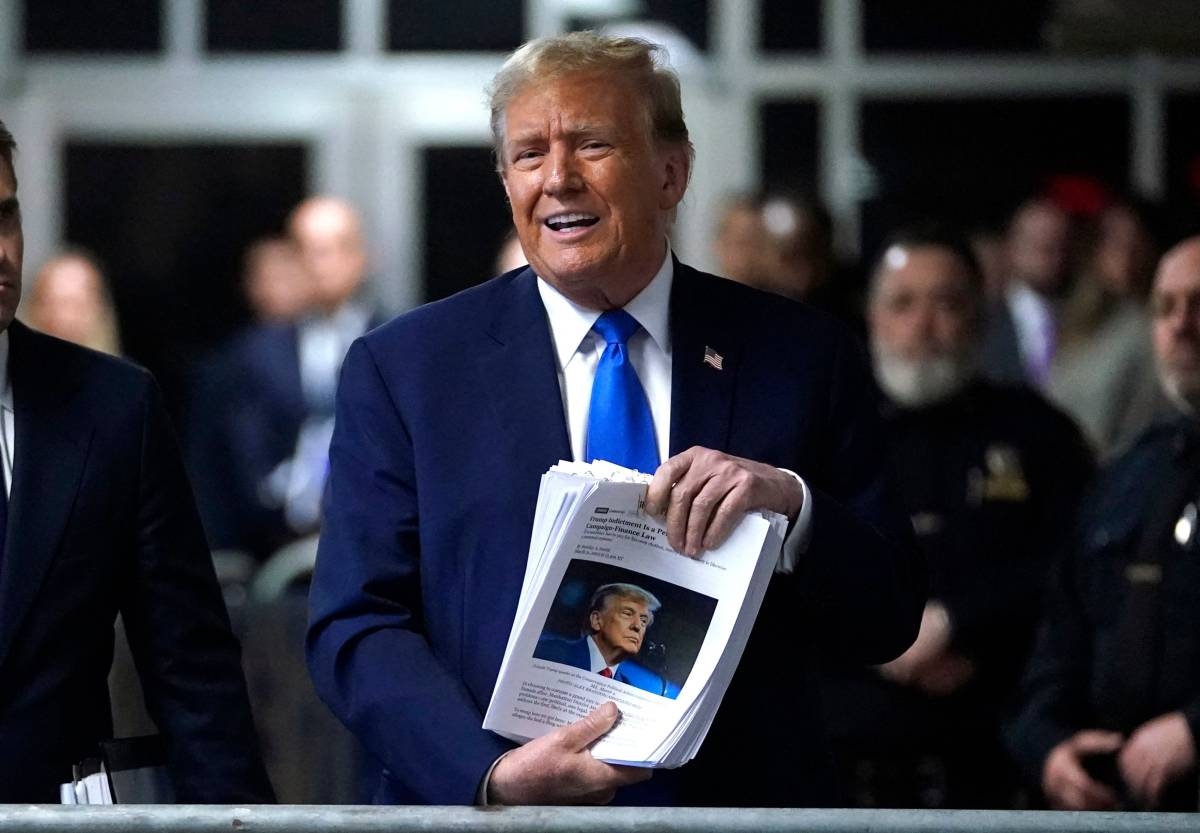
90	26
170	223
1183	164
955	26
465	25
972	160
274	26
790	139
791	25
466	218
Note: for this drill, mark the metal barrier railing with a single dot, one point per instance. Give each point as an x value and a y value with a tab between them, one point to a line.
327	819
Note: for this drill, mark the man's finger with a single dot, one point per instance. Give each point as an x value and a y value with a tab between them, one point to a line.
729	514
679	507
590	728
1096	742
658	493
1094	795
701	515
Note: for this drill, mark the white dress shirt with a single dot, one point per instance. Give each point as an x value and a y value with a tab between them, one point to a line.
8	417
578	349
1034	320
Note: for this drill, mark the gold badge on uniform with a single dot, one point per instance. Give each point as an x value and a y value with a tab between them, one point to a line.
1004	479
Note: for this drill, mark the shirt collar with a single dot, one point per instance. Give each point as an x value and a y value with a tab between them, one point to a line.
6	394
595	657
570	322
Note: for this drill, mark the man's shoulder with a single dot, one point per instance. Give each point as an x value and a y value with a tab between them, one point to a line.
557	648
1021	409
476	305
764	314
639	676
37	356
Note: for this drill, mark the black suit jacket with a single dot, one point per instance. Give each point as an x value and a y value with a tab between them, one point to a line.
101	521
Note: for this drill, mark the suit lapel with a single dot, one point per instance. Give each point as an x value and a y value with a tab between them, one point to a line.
701	394
520	372
51	448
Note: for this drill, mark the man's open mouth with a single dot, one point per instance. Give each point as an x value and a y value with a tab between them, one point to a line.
564	222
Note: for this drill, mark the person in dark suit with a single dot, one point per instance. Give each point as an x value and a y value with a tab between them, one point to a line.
97	518
1109	712
991	475
618	617
606	347
260	462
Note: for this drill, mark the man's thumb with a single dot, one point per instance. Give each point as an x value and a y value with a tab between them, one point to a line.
587	730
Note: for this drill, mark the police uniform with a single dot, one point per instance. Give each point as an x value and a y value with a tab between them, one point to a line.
991	478
1120	643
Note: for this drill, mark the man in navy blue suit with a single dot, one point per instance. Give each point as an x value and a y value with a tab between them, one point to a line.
619	615
96	518
448	416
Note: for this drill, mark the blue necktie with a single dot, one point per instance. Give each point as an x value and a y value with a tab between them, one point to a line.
620	427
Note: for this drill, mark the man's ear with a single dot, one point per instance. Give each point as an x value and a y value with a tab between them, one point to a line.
594	620
504	181
676	168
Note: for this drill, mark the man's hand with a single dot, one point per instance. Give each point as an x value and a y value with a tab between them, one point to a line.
930	664
1156	754
1065	782
704	493
932	641
558	767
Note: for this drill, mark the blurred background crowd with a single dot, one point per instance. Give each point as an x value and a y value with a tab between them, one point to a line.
230	193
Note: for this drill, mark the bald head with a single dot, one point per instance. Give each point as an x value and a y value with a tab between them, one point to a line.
70	299
1175	302
328	234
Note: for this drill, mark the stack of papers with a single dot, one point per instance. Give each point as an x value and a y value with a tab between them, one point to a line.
608	611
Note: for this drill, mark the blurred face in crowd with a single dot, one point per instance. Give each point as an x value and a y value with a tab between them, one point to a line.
1039	246
68	300
592	193
328	235
797	258
619	627
278	286
12	245
1123	260
923	317
741	242
1175	302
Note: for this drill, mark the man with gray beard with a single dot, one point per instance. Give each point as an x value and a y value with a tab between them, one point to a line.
1111	701
990	476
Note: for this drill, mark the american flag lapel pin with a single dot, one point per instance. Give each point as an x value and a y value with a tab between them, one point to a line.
714	359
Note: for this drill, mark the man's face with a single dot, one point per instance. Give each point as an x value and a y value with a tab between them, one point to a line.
922	306
67	299
1175	303
1039	244
621	625
591	193
331	247
741	240
12	246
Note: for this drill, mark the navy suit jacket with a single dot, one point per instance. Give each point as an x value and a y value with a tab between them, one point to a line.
574	652
447	418
101	520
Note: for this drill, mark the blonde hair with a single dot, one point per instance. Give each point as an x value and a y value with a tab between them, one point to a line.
645	64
